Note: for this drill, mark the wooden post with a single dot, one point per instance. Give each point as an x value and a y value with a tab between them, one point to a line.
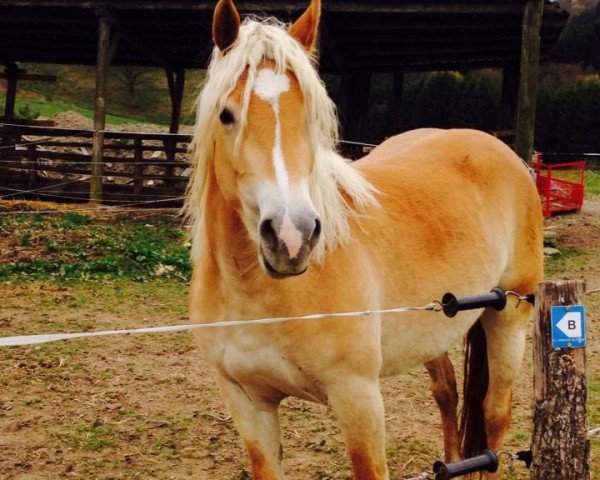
138	169
508	98
354	104
32	165
12	75
176	82
560	447
397	101
530	58
102	64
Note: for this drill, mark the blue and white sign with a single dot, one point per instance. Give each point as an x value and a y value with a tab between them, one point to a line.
568	326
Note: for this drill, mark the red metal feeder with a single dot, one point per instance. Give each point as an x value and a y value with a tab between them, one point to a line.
560	185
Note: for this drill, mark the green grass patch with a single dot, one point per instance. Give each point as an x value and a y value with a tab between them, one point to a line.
49	108
70	246
92	437
592	183
74	90
569	260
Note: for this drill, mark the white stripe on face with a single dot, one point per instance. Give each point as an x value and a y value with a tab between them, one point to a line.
269	86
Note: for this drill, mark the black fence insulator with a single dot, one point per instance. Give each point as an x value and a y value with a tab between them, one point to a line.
530	298
453	304
487	461
525	456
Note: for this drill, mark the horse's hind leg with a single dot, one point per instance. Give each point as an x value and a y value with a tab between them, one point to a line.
505	336
443	388
258	425
358	407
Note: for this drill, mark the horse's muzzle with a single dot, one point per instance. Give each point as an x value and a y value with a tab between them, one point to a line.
286	244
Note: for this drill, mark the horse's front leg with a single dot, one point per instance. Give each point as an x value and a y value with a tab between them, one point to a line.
258	424
358	407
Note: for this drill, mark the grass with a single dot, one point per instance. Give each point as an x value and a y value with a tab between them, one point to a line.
570	260
135	414
47	109
71	247
92	437
592	183
75	85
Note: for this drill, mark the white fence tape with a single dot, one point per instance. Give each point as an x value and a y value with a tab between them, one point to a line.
23	340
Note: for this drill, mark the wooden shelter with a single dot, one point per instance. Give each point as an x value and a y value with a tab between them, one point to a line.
357	39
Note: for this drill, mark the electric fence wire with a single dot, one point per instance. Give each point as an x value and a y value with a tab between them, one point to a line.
122	202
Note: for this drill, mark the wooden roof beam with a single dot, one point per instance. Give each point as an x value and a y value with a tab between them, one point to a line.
468	40
400	23
430	67
31	77
439	49
339	6
393	6
402	63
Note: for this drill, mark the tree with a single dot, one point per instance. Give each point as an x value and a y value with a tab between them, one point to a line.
130	77
580	40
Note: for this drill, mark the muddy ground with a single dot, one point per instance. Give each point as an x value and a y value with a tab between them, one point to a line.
146	407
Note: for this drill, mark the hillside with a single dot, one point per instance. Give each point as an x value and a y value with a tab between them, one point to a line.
133	94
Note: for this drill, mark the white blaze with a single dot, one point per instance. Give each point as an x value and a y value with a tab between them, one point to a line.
269	86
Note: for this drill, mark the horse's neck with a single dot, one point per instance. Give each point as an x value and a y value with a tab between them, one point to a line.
228	253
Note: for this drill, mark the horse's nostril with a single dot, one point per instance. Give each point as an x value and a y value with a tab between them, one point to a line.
317	231
267	233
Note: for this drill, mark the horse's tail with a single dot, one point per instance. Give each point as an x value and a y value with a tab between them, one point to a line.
476	378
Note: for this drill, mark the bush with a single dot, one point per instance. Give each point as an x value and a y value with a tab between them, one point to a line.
443	100
568	119
26	113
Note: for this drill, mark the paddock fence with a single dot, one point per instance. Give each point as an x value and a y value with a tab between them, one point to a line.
152	169
560	445
56	163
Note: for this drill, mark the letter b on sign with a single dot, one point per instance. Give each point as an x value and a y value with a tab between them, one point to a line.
568	326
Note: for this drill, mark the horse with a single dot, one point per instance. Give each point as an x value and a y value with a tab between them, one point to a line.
282	225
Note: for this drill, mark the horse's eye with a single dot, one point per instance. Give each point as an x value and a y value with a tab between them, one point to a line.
226	117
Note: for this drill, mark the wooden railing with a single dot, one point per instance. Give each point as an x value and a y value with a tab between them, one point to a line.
135	165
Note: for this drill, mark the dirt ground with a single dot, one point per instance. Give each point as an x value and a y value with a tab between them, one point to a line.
146	407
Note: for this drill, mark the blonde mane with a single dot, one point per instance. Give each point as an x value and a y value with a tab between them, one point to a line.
332	176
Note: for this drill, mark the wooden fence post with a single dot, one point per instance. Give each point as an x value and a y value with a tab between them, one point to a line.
138	168
102	64
12	75
560	447
530	59
32	165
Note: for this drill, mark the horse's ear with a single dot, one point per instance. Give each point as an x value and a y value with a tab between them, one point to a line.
305	29
226	24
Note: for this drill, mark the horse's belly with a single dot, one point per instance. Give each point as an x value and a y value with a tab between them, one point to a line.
409	340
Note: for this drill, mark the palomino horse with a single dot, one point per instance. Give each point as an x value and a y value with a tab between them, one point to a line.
282	225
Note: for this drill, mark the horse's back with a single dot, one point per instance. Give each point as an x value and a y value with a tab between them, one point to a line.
450	164
426	148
